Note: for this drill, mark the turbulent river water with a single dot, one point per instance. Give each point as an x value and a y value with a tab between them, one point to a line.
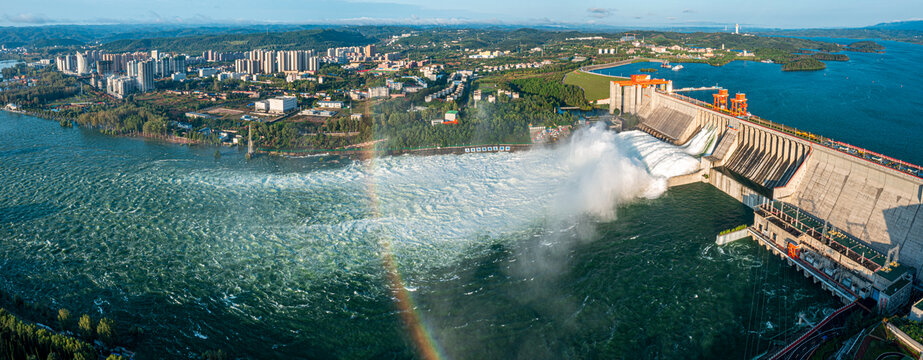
576	251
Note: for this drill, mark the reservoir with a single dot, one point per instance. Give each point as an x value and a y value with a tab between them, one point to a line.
874	101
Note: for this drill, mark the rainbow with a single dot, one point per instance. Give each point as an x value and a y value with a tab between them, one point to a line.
427	348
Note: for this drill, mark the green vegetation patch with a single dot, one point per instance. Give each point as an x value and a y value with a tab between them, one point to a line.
804	64
594	87
865	46
914	329
21	340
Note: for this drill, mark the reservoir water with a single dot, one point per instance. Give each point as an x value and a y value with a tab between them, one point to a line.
576	251
873	101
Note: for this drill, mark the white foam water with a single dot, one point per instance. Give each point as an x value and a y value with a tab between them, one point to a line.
428	206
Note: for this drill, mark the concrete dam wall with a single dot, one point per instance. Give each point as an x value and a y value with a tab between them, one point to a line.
876	204
879	205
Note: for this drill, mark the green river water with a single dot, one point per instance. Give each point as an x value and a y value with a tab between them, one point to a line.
550	253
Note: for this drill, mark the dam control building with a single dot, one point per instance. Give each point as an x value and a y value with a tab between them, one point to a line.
850	218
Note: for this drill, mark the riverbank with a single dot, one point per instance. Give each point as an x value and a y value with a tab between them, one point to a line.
371	151
173	139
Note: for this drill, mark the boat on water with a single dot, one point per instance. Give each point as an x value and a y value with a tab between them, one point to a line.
677	68
767	61
665	64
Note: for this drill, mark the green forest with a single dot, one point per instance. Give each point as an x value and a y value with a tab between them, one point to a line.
50	86
866	47
806	63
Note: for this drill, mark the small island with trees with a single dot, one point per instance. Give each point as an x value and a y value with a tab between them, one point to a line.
806	63
866	47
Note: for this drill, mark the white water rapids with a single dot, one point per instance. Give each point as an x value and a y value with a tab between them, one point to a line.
433	206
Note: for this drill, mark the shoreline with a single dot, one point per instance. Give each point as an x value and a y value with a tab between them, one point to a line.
349	151
171	139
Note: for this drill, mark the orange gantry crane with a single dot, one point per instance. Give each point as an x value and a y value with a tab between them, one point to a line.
721	100
738	103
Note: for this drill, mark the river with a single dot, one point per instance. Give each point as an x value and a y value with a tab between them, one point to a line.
576	251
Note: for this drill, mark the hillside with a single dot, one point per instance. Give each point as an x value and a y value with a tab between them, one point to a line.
905	31
301	40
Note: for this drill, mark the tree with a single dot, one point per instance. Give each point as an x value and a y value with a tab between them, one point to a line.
85	325
104	330
64	318
215	355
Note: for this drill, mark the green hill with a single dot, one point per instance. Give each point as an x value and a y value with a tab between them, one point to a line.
293	40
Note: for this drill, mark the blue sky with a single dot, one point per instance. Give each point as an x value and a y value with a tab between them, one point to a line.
780	13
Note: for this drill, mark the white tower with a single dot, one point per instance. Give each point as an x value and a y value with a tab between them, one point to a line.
737	28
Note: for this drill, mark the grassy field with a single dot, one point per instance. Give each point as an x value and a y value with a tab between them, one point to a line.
594	87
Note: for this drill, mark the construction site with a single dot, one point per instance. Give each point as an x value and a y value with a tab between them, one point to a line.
848	217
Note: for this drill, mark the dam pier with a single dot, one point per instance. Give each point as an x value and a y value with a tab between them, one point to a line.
850	218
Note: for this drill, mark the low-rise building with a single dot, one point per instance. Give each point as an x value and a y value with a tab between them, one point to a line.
316	112
379	92
207	72
451	116
282	104
330	104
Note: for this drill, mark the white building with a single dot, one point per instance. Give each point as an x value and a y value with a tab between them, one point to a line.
330	104
282	104
379	92
83	67
207	72
143	72
119	86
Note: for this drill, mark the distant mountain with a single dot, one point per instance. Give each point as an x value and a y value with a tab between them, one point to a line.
67	35
899	25
910	31
301	40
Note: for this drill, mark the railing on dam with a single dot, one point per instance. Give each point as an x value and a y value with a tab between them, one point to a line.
855	151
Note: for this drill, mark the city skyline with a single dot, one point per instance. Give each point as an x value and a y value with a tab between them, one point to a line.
661	13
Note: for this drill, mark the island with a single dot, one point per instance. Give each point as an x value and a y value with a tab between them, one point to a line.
866	47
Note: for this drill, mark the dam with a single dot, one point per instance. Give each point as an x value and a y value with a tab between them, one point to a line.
849	217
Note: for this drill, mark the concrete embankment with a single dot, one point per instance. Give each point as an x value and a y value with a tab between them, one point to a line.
730	237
